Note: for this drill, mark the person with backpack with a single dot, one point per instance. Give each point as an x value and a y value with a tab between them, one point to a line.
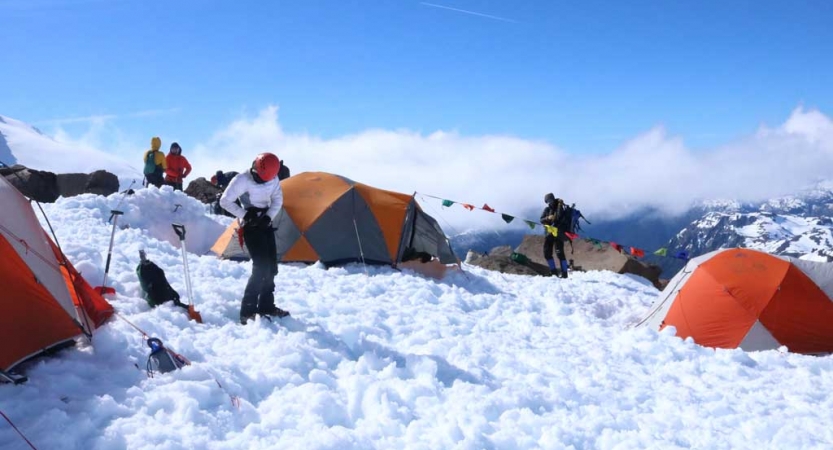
155	163
556	215
265	198
178	167
221	180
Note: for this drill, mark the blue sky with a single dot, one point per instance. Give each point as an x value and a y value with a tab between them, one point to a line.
584	76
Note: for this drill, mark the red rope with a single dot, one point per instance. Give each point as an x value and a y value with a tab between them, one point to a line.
131	324
18	431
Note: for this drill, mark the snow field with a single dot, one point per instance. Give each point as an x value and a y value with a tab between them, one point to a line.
375	358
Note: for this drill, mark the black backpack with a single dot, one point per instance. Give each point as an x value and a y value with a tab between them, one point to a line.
284	172
569	218
155	284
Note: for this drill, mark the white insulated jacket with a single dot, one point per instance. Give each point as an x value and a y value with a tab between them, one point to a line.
267	195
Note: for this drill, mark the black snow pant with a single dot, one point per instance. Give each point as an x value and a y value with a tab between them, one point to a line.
174	184
259	296
155	179
558	242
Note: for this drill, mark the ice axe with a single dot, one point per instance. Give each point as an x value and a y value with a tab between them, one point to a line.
192	313
103	289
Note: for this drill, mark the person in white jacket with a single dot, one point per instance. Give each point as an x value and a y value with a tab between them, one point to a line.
259	190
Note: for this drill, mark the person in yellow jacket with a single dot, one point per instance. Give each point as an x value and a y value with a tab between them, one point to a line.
155	163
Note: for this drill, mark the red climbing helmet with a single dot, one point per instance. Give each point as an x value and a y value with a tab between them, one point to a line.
266	166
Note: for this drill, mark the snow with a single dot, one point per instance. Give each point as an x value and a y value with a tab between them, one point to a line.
375	358
28	146
6	156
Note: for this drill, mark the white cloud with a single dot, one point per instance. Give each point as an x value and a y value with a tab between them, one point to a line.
654	169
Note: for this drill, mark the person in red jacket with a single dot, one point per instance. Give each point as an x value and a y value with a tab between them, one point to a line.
178	167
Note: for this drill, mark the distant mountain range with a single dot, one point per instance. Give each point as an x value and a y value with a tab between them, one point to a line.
799	225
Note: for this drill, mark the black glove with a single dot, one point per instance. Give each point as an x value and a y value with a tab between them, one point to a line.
263	221
250	218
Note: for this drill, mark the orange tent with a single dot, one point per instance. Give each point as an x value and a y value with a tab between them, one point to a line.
742	298
335	220
44	302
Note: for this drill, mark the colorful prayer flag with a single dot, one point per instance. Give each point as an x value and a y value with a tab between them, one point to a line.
661	252
507	218
681	255
530	224
488	208
572	236
616	246
595	242
639	253
467	206
447	203
551	230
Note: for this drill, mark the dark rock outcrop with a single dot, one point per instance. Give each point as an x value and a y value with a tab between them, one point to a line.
585	256
99	182
38	185
528	259
202	190
501	261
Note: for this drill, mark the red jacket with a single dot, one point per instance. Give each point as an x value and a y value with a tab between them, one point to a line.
178	168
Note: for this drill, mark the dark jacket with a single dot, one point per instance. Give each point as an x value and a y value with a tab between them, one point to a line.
559	213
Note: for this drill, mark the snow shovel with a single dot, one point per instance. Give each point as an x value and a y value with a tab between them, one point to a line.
103	289
192	313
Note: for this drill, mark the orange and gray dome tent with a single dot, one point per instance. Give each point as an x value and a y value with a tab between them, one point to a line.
747	299
44	303
335	220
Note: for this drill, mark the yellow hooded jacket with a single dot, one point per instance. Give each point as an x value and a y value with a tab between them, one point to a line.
158	157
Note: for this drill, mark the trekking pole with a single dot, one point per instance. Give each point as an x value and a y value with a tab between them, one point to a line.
103	289
180	232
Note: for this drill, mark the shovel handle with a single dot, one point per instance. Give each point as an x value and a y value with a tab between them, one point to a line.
179	230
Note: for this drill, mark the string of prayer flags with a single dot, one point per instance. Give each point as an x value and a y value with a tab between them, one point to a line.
634	251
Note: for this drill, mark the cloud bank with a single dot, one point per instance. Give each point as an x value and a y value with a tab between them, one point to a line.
652	170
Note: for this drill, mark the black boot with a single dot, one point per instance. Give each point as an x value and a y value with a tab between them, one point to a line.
555	273
274	311
246	318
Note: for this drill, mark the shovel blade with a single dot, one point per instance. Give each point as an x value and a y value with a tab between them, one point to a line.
193	314
105	290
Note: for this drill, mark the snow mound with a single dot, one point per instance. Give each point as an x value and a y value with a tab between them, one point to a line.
152	211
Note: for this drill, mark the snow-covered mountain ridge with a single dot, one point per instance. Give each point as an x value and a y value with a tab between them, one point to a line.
797	225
